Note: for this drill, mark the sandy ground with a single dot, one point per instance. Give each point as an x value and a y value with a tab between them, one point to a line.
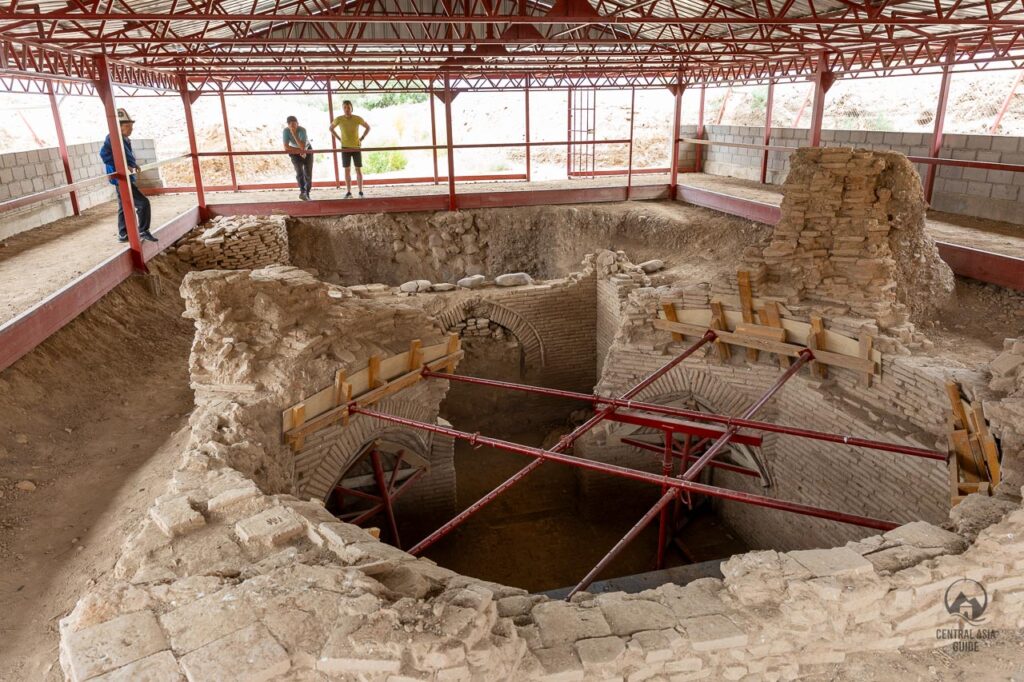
38	262
61	251
92	419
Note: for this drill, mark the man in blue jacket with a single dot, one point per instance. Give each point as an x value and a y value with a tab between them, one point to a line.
142	209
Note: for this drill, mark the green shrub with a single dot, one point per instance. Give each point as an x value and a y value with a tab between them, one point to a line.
391	99
385	162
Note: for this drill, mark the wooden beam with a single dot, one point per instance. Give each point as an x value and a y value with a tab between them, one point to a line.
747	305
719	326
415	354
770	317
816	341
669	309
373	365
867	343
850	362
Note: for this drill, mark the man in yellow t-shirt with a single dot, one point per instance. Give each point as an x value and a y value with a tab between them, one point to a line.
351	142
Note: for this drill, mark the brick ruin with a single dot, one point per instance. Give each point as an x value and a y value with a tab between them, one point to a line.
239	570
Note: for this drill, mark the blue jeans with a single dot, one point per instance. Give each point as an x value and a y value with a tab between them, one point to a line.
142	211
303	171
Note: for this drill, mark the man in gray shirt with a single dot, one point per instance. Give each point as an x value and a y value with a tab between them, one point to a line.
296	143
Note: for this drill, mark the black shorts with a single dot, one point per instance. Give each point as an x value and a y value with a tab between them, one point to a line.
348	157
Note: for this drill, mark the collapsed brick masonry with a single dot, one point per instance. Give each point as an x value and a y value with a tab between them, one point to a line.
235	572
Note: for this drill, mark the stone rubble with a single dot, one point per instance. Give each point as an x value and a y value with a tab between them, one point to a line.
513	279
268	586
236	243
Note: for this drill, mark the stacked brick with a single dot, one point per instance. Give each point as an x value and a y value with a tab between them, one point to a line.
481	327
852	237
237	243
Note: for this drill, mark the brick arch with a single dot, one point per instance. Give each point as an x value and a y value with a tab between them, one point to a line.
710	393
516	324
348	441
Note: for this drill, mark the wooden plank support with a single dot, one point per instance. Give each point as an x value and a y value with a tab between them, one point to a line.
299	418
747	305
717	324
415	354
296	433
669	309
953	393
762	331
988	446
849	362
867	343
770	317
816	341
454	348
339	388
373	367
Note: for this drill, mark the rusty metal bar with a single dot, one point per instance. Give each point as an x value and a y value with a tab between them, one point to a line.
563	444
715	464
385	496
675	483
676	119
693	472
940	120
767	130
700	416
666	471
448	141
334	140
227	140
62	145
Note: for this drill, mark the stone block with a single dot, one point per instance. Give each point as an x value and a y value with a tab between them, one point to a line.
207	620
626	616
111	645
710	633
560	663
562	623
838	561
161	667
691	601
232	498
600	651
176	516
269	528
926	536
251	654
513	279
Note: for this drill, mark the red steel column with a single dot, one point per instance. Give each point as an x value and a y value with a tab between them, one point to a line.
823	79
676	121
448	133
433	130
385	496
699	164
227	139
767	130
526	92
105	88
1006	104
940	121
186	100
666	471
632	115
334	140
568	132
62	145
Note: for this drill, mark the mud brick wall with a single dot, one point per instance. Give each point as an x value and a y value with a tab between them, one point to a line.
23	173
237	243
993	194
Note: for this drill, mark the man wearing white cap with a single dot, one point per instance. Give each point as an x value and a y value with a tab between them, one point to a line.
142	209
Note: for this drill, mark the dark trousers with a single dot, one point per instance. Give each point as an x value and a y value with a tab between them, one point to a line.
141	210
303	171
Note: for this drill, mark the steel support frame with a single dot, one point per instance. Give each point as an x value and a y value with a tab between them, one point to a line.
449	142
822	80
660	508
227	142
62	145
767	130
677	112
197	173
940	121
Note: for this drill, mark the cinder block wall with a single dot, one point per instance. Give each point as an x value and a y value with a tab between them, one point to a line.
993	194
23	173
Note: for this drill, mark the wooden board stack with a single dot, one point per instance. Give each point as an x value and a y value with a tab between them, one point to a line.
759	327
973	453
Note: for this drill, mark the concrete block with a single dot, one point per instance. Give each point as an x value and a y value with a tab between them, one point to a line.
270	527
111	645
206	620
979	142
1005	143
250	654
